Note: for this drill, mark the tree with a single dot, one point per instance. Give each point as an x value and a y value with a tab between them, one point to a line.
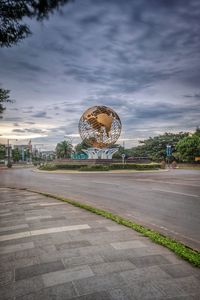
64	149
4	98
121	150
12	12
16	155
188	148
2	151
155	148
81	146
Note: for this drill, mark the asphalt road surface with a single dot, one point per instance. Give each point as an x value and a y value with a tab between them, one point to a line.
166	201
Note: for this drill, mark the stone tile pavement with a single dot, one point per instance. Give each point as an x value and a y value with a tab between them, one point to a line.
51	250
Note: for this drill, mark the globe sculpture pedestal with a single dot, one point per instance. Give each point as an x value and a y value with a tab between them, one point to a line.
96	153
100	128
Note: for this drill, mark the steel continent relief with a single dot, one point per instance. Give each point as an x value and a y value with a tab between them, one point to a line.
100	126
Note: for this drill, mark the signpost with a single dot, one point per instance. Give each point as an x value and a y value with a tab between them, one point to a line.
169	153
123	159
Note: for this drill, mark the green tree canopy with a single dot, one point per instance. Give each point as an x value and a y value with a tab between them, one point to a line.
4	98
188	148
2	151
155	148
64	149
16	155
12	13
81	146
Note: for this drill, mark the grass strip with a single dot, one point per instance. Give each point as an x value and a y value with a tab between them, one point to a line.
177	247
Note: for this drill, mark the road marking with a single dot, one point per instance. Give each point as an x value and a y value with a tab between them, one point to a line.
178	193
168	182
102	182
42	231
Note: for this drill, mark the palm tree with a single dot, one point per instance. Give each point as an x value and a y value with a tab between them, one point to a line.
64	149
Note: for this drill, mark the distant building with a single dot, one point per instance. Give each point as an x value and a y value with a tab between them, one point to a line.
25	151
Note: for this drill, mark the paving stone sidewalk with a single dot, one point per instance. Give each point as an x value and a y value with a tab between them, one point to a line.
52	250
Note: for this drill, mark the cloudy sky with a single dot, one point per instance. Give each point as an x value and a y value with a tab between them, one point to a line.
139	57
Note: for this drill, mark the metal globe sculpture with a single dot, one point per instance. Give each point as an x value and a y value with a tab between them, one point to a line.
100	126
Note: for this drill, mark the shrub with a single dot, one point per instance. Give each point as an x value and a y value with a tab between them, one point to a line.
85	167
9	165
162	164
65	166
95	168
174	165
151	166
48	167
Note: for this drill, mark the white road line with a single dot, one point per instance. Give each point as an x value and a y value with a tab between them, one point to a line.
168	182
102	182
178	193
42	231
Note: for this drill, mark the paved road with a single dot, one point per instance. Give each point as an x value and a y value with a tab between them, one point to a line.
167	201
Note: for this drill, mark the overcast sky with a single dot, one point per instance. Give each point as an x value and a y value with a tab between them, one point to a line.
139	57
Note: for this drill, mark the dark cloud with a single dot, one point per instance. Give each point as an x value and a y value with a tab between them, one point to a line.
30	122
39	114
195	96
139	57
14	108
29	130
19	130
35	130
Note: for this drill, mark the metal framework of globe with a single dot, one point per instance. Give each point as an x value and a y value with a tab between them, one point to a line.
100	126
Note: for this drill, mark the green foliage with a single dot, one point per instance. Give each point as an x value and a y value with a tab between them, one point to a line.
9	164
179	248
95	168
4	98
48	167
118	154
13	12
155	148
85	167
151	166
2	151
188	148
61	166
64	149
16	155
81	146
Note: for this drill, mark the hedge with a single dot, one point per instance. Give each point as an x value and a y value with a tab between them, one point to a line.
85	167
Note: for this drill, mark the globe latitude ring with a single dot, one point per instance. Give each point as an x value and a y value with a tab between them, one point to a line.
100	126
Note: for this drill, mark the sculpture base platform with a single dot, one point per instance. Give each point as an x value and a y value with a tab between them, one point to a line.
96	153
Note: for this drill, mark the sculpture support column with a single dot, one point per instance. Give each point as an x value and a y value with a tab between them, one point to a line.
96	153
